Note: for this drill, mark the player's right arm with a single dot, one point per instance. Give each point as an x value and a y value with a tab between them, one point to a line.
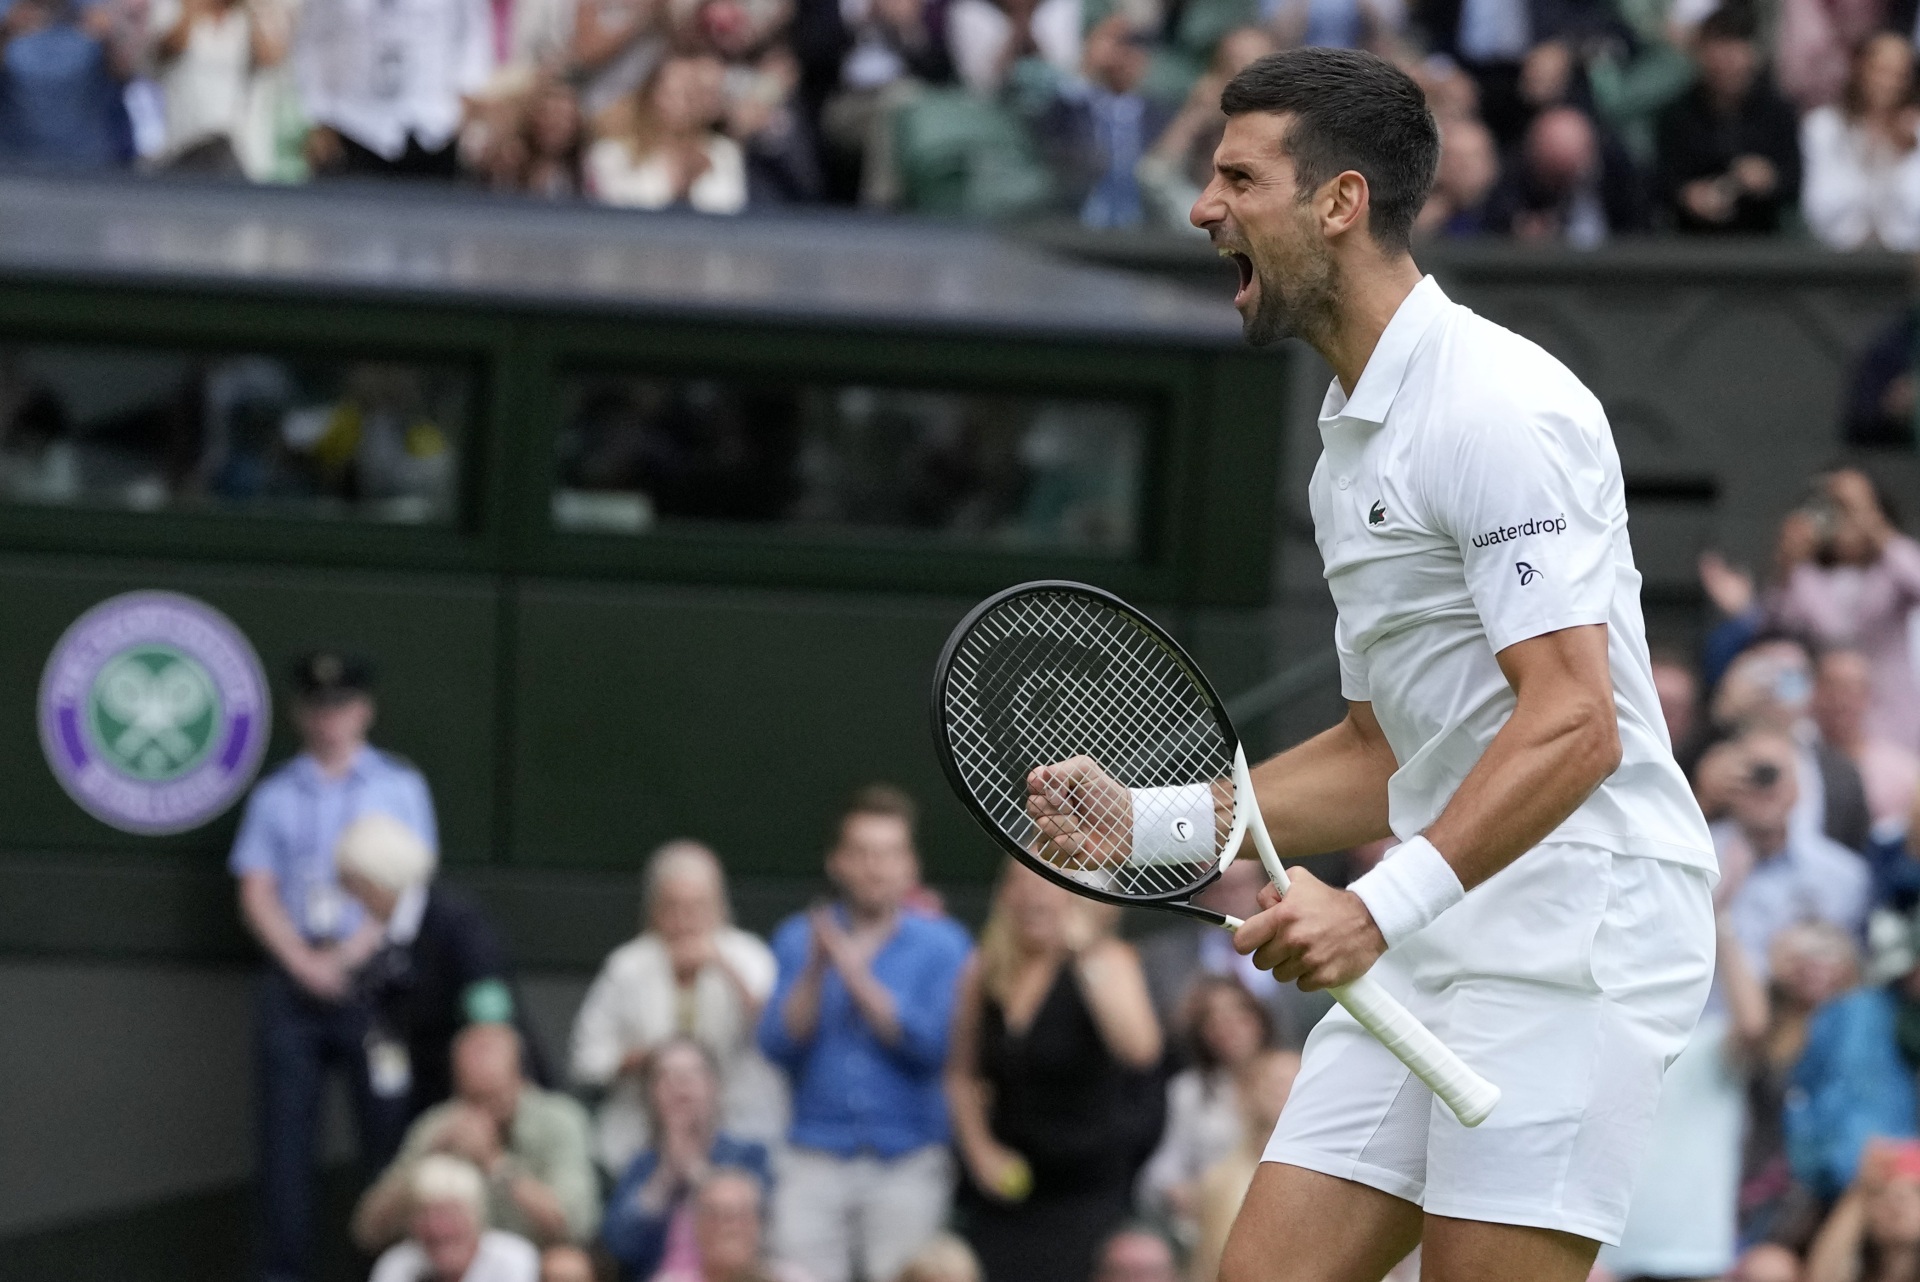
1329	793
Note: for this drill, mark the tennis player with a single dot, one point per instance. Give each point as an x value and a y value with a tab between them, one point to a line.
1548	911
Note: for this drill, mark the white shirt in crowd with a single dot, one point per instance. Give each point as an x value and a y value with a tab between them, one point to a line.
634	1003
1203	1126
1469	497
502	1257
616	176
380	70
1680	1223
1855	190
206	88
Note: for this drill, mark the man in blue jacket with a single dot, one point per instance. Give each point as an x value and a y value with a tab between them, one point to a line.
858	1020
1855	1079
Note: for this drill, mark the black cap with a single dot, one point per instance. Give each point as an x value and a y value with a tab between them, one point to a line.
328	676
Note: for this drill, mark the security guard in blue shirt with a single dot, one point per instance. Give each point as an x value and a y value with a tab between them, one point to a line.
315	936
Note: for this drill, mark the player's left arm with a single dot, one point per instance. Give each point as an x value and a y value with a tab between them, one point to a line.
1561	743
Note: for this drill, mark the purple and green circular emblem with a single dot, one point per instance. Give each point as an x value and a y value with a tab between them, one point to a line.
154	712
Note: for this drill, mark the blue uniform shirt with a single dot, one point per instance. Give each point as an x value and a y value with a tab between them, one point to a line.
295	817
852	1093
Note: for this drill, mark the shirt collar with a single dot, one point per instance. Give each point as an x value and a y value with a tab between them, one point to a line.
403	927
362	761
1386	368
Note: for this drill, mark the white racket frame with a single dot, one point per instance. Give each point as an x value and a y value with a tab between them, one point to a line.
1470	1096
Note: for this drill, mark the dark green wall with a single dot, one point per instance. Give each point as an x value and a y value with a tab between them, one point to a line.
574	700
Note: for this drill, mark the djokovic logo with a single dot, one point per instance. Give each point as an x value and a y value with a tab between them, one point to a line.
1527	573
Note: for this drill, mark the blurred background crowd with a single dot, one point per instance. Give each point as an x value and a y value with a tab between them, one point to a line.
877	1093
1570	121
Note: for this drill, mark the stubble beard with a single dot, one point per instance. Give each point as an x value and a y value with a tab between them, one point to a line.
1302	310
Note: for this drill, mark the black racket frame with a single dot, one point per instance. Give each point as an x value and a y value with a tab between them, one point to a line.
1178	900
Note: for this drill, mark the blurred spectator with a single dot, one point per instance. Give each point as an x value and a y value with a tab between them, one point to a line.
383	84
1134	1254
1770	687
449	1240
62	65
1851	578
669	150
1879	410
308	1020
1767	1263
1729	149
1811	963
1842	696
988	40
1678	688
690	973
615	45
1635	77
1814	39
566	1264
1223	1029
945	1258
440	965
1873	1234
762	85
1681	1222
859	1020
1053	1109
1177	957
860	60
529	141
1567	184
1374	25
532	1145
726	1230
1261	1089
1862	179
1469	171
1179	165
649	1222
1780	874
208	52
1855	1079
1098	127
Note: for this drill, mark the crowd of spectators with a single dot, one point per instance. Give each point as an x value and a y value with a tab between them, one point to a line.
873	1093
1561	120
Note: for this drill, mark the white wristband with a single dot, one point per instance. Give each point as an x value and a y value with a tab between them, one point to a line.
1408	889
1173	825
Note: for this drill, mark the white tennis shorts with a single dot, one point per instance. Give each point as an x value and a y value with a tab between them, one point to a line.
1571	979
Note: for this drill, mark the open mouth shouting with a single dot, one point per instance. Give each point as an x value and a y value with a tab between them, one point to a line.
1245	266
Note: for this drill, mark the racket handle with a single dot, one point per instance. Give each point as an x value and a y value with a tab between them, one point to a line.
1469	1095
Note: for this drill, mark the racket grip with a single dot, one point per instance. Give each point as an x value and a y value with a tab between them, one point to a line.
1469	1095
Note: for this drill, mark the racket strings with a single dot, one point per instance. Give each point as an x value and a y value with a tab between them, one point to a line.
1048	676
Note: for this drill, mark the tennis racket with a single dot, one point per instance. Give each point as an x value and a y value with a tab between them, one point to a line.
1045	673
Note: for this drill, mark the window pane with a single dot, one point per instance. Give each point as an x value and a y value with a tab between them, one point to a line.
156	430
965	468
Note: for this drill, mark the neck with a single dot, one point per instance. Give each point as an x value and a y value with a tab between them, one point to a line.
871	918
1368	299
1766	842
335	761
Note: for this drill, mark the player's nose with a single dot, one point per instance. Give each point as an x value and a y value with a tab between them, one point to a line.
1208	209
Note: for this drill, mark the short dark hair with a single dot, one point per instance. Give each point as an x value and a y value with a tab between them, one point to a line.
1351	110
881	799
1732	21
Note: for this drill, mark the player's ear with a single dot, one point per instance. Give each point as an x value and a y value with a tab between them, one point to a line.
1343	203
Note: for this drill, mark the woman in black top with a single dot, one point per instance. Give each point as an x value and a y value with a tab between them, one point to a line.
1052	1083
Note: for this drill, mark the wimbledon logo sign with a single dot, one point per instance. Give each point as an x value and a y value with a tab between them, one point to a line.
154	712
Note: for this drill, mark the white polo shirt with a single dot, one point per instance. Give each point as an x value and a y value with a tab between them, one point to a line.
1469	497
